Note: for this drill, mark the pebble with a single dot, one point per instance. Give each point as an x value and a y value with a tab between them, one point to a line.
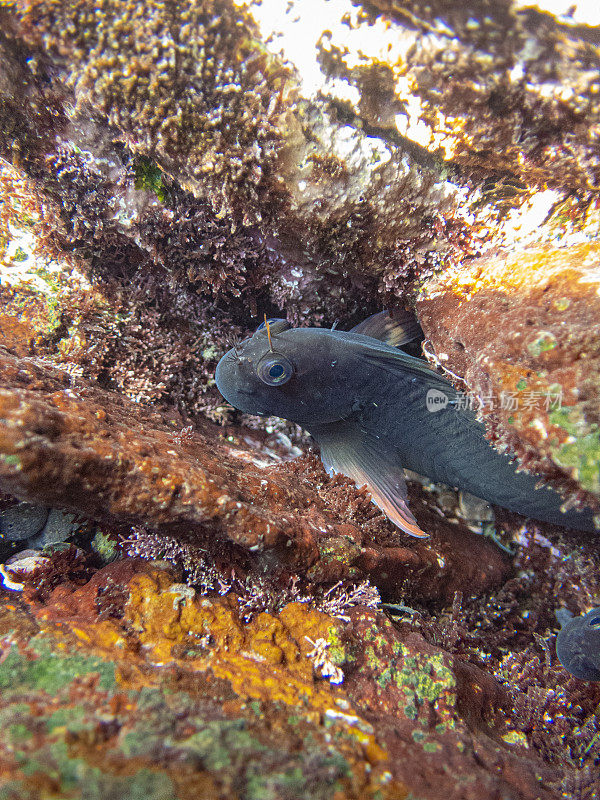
21	563
22	521
60	526
37	525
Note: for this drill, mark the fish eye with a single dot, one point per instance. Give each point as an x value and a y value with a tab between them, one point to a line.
594	622
274	369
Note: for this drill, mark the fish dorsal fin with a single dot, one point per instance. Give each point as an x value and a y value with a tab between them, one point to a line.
397	361
395	331
348	449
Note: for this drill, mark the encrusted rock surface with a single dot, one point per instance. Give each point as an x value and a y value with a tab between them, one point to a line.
174	693
537	373
169	172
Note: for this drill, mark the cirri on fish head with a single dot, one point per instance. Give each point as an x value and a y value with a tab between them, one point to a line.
375	410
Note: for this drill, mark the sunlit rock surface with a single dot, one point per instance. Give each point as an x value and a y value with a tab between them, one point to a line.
170	172
522	331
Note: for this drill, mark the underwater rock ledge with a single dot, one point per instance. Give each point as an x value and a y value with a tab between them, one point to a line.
93	452
132	672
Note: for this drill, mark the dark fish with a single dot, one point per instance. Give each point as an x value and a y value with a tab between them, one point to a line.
374	409
578	646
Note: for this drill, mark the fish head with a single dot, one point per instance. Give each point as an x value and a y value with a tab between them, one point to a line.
578	646
306	375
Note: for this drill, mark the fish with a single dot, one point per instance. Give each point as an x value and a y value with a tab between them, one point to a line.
374	410
578	644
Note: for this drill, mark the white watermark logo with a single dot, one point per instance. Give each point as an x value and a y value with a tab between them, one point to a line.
436	400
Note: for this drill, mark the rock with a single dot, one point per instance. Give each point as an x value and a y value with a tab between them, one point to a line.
168	173
59	527
171	679
535	376
22	521
300	185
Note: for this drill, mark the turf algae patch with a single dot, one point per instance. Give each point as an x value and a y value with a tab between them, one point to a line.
405	678
411	689
43	668
177	685
56	701
178	150
503	88
193	85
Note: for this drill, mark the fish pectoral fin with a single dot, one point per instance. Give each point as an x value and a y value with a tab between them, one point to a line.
363	459
395	331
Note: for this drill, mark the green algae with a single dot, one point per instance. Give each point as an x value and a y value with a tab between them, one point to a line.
581	452
420	680
426	681
343	550
221	743
11	460
260	787
48	671
41	743
516	737
541	344
296	781
19	730
570	419
71	719
105	547
337	652
20	255
149	177
225	745
420	737
78	779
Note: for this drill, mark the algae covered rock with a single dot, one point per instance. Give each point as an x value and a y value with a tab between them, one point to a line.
152	687
522	330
